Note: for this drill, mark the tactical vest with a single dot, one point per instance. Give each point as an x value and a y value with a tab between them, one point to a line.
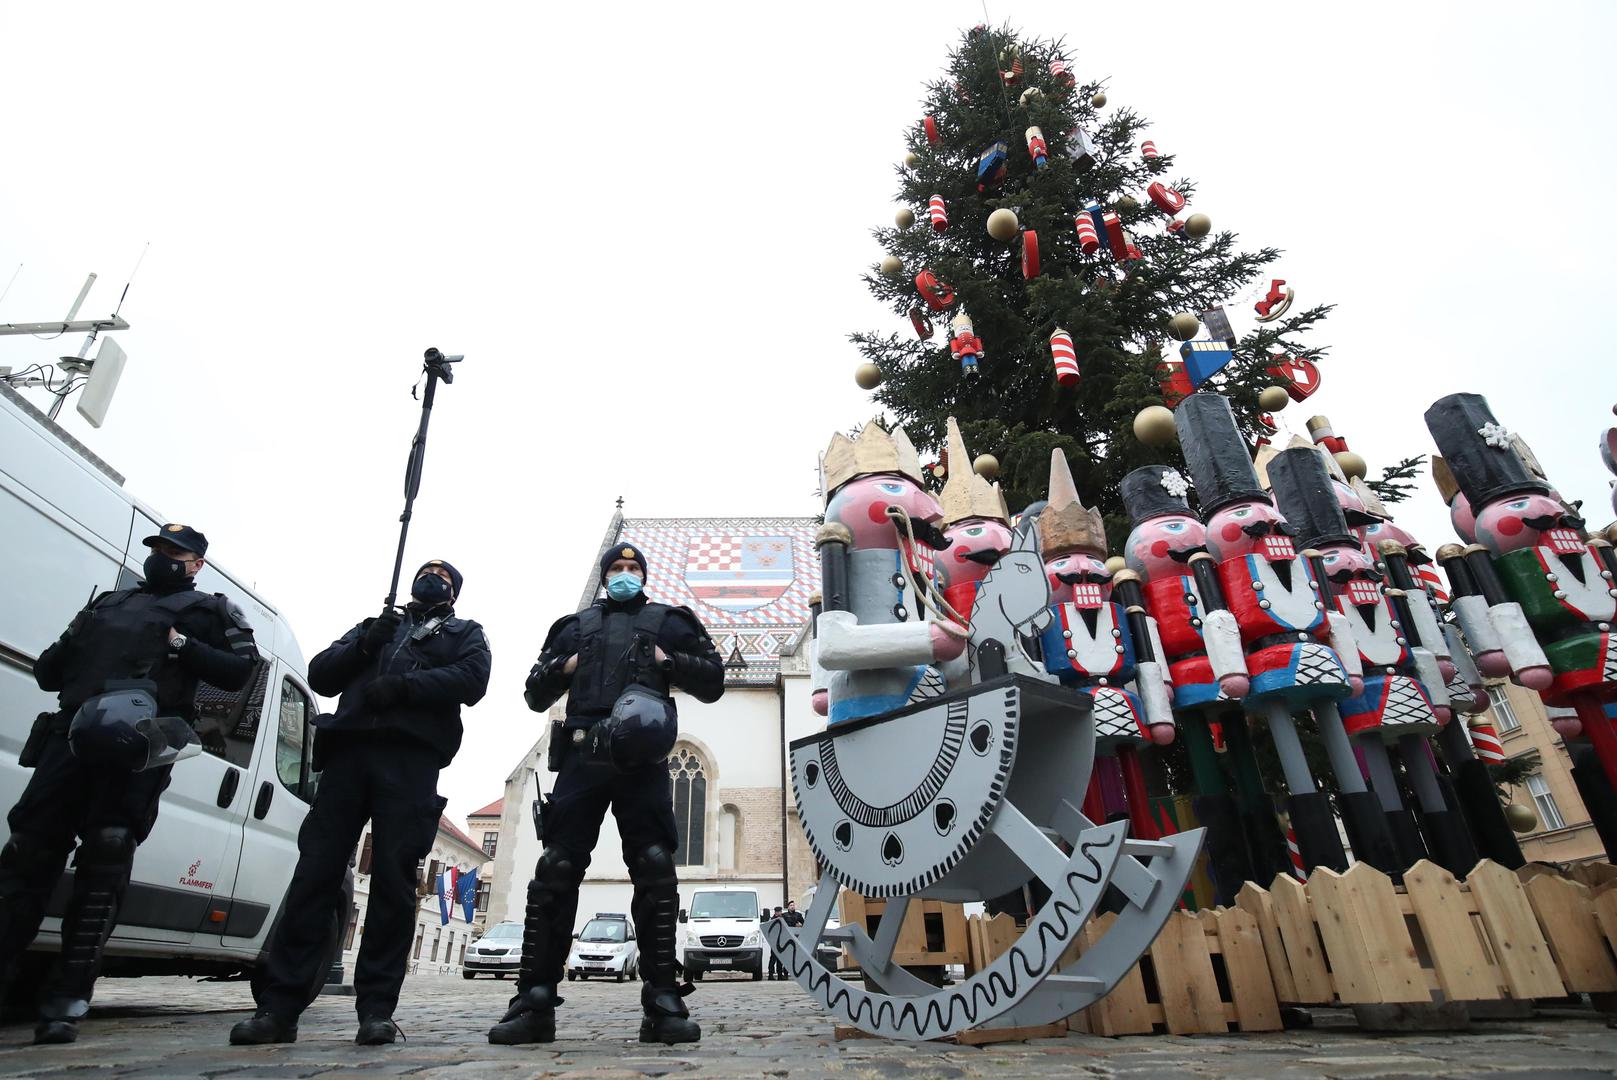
124	635
614	650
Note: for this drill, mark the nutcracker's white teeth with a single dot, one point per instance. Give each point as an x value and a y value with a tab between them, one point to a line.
1362	592
1278	547
1086	596
1565	541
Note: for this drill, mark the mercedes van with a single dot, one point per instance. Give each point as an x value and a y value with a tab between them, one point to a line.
210	882
721	932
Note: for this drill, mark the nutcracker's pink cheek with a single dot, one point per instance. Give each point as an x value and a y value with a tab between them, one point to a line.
1508	526
877	512
1160	548
1231	532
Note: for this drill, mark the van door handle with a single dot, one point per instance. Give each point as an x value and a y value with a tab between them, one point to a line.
227	788
265	793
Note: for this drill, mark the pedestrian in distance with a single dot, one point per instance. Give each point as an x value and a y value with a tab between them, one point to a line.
777	970
616	661
401	680
125	673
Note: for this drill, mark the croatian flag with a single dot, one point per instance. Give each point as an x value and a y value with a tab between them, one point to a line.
466	893
739	573
446	893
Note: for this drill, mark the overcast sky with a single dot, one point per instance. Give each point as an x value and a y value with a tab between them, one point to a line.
644	227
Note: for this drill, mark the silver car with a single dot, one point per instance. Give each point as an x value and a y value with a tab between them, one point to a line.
498	952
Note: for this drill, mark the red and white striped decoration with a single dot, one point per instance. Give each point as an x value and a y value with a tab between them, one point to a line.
1148	150
1088	238
1065	357
1486	742
940	214
1298	868
1058	72
1428	576
1165	198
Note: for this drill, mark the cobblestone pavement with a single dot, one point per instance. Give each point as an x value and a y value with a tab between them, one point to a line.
171	1028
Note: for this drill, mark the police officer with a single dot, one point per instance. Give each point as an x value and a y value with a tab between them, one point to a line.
622	641
87	785
402	681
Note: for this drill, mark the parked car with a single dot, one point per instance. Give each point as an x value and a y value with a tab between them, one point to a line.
498	952
722	932
605	947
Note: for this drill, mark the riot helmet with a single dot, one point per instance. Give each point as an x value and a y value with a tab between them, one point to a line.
640	731
120	729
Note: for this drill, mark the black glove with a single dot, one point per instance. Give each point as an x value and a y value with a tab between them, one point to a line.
378	632
384	691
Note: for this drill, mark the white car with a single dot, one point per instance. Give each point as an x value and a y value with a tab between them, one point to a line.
605	947
721	932
498	952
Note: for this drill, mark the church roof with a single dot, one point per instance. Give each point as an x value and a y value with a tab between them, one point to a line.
748	579
493	809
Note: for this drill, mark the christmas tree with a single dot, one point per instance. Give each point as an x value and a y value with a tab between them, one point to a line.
1068	161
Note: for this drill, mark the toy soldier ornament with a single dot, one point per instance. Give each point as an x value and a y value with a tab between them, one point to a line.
976	524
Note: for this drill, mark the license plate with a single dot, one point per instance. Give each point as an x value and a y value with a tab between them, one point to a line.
596	967
720	961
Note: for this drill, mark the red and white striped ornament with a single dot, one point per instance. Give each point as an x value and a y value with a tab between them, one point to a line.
1433	582
1065	357
1030	254
1298	868
1088	238
940	213
1165	198
1148	151
1059	72
1486	742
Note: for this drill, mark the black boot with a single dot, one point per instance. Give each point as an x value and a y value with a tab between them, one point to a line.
59	1020
264	1027
656	922
530	1019
666	1018
376	1031
99	879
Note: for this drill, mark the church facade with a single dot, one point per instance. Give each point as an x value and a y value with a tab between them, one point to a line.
749	580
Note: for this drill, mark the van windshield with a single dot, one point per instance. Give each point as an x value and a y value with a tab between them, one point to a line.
605	930
724	905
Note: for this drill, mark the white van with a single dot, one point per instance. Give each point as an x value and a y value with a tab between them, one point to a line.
209	883
721	932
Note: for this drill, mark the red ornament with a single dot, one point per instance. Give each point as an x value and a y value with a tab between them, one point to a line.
923	327
1059	72
1030	254
930	126
1148	151
1088	238
1165	198
1115	238
1299	377
1173	381
1065	357
1274	305
937	295
1267	420
940	214
1174	225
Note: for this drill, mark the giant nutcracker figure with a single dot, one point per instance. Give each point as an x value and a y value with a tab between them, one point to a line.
1202	647
1396	706
1286	631
876	638
1550	594
976	524
1099	645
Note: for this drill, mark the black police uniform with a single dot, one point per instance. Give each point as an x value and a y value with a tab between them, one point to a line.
607	638
109	811
380	763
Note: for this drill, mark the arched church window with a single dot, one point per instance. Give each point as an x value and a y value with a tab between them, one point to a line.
690	805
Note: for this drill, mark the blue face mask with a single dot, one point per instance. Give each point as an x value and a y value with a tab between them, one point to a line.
624	586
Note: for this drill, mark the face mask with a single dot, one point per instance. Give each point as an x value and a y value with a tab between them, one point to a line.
162	570
431	590
624	586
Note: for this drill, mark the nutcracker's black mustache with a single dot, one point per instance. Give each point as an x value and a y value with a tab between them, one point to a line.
1342	577
987	556
1086	578
1546	522
1264	528
925	532
1183	554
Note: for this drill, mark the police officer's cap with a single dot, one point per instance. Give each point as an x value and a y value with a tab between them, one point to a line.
631	552
181	536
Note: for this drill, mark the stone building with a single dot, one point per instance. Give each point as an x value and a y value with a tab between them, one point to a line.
1564	832
749	580
483	826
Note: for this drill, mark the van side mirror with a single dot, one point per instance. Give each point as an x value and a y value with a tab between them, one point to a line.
683	916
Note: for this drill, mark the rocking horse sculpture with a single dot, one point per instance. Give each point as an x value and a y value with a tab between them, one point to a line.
959	796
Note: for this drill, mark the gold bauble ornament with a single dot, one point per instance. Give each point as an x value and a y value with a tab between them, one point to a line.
1002	225
1153	425
1116	563
912	159
986	466
1198	226
891	266
904	218
867	375
1099	100
1183	326
1353	466
1273	398
1126	204
1521	818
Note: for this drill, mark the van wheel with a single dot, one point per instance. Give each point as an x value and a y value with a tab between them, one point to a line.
696	975
499	974
620	976
757	976
571	976
468	975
